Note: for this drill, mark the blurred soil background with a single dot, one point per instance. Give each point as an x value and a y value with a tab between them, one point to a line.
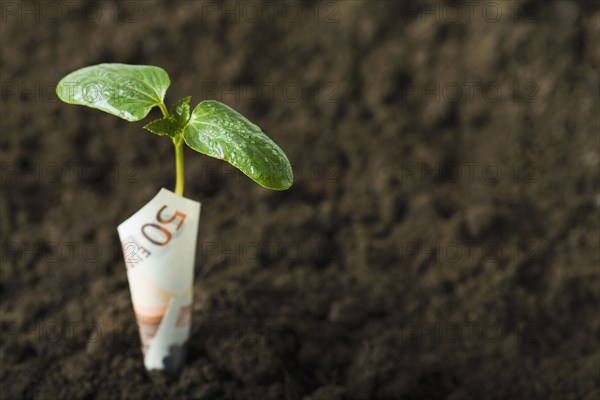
440	241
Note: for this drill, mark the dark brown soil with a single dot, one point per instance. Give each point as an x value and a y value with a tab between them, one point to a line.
440	241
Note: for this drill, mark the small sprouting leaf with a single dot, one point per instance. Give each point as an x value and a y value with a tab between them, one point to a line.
219	131
127	91
162	127
173	124
181	111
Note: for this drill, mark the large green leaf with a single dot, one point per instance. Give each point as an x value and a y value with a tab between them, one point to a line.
127	91
219	131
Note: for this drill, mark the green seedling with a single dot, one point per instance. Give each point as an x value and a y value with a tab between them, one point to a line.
212	128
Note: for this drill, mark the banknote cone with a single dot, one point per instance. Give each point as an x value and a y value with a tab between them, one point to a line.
159	247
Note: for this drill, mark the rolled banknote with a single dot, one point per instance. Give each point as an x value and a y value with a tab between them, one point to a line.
159	247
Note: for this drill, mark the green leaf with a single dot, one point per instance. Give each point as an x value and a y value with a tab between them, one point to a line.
181	111
219	131
173	124
127	91
162	127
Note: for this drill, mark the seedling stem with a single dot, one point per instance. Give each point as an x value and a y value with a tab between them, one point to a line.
178	144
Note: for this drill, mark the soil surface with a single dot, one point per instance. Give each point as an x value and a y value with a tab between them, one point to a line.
440	240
